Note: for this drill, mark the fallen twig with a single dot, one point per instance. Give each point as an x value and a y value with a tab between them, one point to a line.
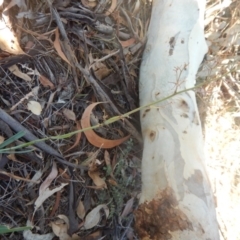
16	126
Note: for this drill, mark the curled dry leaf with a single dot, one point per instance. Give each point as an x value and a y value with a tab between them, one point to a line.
60	228
44	191
92	137
34	107
78	137
49	179
46	194
64	218
28	235
98	181
69	114
58	48
93	217
15	70
94	174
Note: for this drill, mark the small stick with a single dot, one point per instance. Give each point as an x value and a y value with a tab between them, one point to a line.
17	127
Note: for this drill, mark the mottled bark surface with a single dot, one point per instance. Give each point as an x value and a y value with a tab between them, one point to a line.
176	200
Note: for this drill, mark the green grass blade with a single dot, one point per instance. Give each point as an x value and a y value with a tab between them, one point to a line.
7	150
5	229
12	139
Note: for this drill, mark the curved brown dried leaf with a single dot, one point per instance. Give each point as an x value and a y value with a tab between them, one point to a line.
58	48
92	137
77	139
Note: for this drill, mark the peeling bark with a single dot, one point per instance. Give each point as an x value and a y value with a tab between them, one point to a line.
176	200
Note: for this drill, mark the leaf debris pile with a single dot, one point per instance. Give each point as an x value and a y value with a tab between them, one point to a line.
56	59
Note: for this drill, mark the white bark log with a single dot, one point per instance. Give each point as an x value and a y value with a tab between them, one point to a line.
176	200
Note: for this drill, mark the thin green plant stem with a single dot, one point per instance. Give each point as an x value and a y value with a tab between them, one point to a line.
107	122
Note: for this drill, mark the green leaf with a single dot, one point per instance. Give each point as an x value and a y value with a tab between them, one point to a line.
7	150
12	139
5	229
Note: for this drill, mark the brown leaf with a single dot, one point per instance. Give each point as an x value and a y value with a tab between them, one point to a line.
108	163
81	212
2	139
46	82
92	137
128	208
69	114
128	42
94	236
98	181
58	48
102	72
112	181
100	69
94	174
78	137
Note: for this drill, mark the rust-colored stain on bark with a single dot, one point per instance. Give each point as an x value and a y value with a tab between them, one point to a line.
152	135
184	115
145	112
184	105
155	219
